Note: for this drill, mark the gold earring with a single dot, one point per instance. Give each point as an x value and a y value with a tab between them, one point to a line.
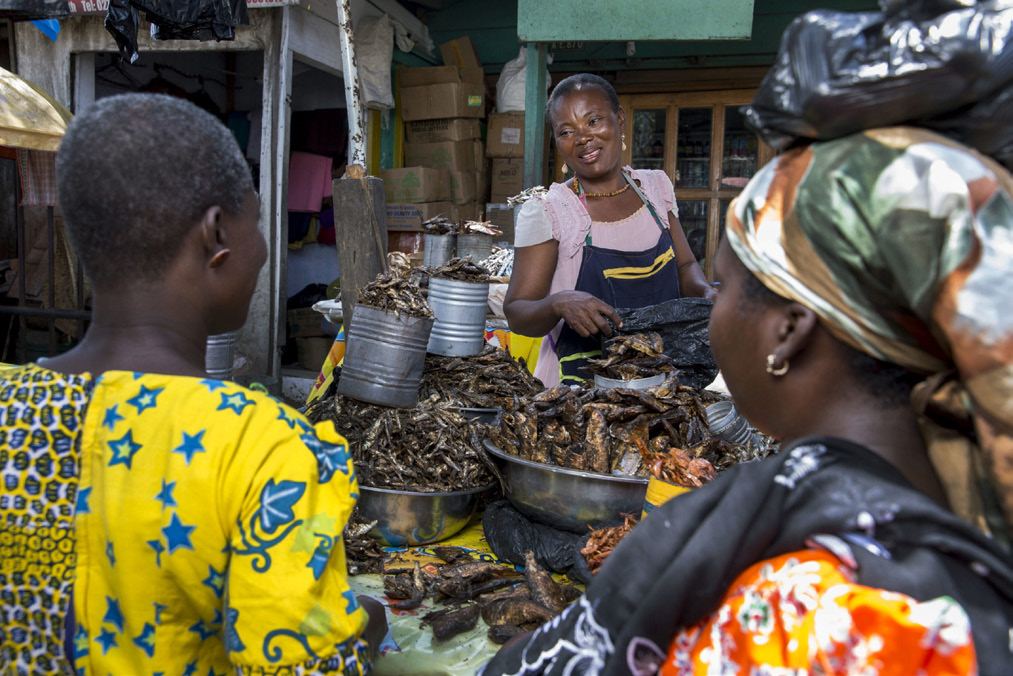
624	141
219	258
773	371
566	169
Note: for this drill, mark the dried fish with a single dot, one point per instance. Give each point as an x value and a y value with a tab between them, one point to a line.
603	541
525	195
637	355
618	431
515	611
459	269
418	591
398	290
439	225
481	227
458	622
544	589
363	554
501	633
500	263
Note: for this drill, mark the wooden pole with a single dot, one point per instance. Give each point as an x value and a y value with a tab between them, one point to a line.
360	225
534	112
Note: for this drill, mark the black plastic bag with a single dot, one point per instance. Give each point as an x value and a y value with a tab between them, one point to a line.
939	64
682	324
509	534
174	20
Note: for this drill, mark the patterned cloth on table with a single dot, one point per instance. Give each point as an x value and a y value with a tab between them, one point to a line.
803	611
205	520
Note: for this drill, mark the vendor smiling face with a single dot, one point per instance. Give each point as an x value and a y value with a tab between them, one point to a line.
588	127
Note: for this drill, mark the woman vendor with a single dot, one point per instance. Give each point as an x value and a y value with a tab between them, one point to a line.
600	241
154	520
861	321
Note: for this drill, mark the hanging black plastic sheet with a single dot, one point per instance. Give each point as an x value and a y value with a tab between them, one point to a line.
174	20
942	64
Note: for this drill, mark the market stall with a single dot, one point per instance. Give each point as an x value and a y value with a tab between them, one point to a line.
486	500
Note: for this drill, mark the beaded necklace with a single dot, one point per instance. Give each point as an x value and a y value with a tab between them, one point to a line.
577	191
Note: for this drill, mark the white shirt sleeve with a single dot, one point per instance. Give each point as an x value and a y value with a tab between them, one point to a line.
533	224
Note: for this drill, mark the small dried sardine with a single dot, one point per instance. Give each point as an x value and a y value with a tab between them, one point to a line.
452	554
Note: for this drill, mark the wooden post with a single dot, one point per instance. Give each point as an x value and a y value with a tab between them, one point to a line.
360	232
534	114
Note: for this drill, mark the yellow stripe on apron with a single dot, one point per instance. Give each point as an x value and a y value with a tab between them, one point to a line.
641	273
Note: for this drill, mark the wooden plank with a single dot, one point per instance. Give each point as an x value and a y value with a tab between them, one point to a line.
671	141
360	229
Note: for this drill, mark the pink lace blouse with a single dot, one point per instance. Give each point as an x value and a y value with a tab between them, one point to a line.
559	215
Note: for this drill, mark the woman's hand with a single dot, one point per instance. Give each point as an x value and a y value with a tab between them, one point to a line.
584	313
376	629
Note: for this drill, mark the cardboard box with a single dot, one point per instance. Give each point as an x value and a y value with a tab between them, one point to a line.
448	99
472	211
502	215
421	77
507	178
506	136
410	216
311	352
452	155
466	186
446	129
304	322
416	184
461	53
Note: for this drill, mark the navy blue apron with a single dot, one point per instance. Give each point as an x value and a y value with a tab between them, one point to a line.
623	279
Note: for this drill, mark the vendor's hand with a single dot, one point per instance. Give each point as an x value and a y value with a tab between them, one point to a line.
376	629
584	313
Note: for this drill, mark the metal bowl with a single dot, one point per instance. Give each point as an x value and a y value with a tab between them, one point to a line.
568	499
634	384
411	518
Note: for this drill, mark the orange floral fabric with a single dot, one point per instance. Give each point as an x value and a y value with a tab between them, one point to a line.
802	613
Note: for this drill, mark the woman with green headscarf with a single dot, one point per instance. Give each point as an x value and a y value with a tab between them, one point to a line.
864	320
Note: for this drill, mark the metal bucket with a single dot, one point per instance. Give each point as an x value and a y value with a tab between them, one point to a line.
220	355
384	356
438	249
460	309
476	245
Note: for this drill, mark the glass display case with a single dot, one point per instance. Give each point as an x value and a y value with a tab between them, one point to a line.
701	141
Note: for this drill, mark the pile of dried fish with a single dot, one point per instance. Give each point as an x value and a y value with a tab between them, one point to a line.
427	449
439	225
492	379
525	195
363	553
603	541
398	290
682	469
638	355
500	263
614	431
461	270
469	588
480	228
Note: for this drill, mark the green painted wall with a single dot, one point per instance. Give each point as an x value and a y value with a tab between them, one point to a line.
492	26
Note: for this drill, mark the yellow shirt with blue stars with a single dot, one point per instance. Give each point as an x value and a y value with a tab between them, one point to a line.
207	524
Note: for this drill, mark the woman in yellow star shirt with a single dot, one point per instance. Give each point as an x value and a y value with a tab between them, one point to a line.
154	520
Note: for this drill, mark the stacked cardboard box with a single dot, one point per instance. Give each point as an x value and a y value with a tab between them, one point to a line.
506	148
442	107
416	194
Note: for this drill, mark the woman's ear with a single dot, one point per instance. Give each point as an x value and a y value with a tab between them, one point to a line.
796	327
214	236
621	115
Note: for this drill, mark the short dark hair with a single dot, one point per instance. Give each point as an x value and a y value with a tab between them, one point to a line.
888	383
134	173
571	84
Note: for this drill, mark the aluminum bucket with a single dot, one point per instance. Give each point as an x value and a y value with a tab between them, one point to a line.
384	356
438	249
476	245
460	309
219	355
